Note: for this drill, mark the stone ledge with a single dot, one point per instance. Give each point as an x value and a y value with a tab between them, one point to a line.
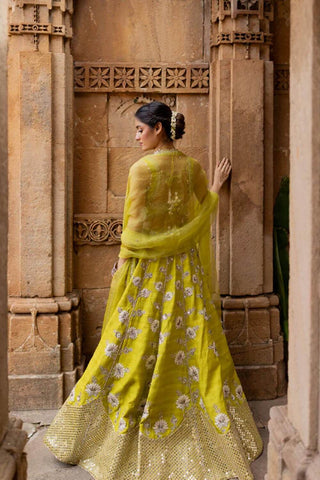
44	305
259	301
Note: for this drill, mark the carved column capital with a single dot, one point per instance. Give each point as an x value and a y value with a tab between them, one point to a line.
244	25
44	24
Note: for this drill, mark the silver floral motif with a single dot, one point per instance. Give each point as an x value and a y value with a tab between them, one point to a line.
136	281
226	390
168	296
158	286
180	358
239	392
160	427
191	332
117	334
122	424
123	316
144	293
154	324
111	349
222	421
194	373
194	278
93	389
113	400
133	333
178	284
214	348
188	291
183	402
119	370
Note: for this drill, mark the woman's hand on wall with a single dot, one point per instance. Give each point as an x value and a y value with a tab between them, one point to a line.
221	174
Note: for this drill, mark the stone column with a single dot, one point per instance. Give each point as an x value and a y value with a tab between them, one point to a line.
294	445
12	438
241	103
44	326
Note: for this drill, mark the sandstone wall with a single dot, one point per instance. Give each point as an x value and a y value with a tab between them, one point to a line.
131	35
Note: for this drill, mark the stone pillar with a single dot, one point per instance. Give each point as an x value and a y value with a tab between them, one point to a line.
294	445
241	115
12	438
44	326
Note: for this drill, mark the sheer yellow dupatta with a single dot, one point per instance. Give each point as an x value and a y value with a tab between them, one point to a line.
168	210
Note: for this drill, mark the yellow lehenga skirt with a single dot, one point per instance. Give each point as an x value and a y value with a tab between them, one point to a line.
160	398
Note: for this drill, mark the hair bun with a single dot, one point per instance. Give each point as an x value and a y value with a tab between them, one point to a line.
180	125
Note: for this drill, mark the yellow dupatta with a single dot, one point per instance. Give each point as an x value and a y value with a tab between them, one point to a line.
168	210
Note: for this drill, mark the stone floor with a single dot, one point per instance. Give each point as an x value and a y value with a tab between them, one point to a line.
43	466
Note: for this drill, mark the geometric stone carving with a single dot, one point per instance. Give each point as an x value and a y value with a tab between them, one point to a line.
64	5
96	230
281	78
40	28
123	77
242	37
262	8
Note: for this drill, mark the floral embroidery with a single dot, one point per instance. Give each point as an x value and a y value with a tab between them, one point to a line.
194	278
144	293
151	360
165	316
214	348
178	284
111	349
194	373
239	392
191	332
122	425
168	296
136	281
154	324
226	390
188	291
119	370
113	400
117	334
160	427
222	421
93	389
183	402
133	333
180	358
158	286
123	315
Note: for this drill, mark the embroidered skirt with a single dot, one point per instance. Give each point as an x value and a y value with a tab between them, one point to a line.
160	397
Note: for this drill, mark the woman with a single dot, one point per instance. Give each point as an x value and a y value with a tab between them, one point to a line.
160	398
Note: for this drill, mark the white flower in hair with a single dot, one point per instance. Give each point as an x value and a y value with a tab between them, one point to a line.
173	124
